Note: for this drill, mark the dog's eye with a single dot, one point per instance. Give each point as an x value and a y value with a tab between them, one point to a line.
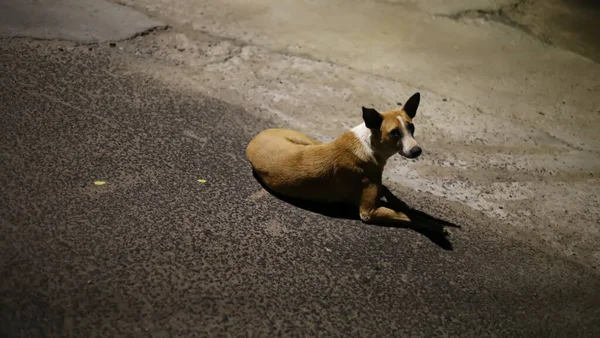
395	132
411	128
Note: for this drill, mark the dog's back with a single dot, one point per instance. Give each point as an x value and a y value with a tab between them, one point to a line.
295	165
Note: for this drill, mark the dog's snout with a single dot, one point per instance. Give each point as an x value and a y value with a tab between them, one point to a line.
415	152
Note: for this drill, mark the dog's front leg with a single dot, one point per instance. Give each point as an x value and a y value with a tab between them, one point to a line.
371	210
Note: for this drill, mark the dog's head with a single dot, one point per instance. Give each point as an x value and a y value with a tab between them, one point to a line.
393	131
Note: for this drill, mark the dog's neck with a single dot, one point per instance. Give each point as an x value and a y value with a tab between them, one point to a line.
366	149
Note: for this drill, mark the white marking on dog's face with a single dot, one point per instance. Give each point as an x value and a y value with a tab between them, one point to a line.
363	134
408	141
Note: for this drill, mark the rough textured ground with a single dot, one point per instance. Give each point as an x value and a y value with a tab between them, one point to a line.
74	20
508	124
155	253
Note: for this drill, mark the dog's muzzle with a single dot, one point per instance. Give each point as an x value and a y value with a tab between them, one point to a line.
414	152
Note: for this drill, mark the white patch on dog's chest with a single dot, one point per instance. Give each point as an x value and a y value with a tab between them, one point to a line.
363	134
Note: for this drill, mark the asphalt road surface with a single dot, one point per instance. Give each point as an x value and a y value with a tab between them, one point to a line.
156	253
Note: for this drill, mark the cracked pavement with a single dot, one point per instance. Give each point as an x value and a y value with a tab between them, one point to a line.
511	157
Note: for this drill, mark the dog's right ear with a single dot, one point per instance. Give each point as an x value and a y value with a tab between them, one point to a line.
372	118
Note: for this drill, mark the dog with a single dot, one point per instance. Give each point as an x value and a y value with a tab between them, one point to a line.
347	170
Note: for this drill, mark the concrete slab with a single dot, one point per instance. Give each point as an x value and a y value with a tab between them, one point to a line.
155	253
509	124
572	25
76	20
450	7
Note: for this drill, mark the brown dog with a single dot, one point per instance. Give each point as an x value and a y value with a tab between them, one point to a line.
348	169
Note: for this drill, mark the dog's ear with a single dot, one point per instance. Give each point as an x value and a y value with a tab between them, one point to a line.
372	118
410	107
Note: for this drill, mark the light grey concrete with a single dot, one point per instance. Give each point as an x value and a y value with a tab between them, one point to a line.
450	7
155	253
75	20
510	131
573	25
509	124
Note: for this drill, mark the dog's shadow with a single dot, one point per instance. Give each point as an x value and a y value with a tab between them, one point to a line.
427	225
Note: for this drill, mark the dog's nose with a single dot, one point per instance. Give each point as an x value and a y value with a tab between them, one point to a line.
415	152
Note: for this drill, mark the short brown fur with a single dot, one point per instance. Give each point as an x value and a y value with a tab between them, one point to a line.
344	170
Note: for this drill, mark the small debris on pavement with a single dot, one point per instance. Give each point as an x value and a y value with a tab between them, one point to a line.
99	182
202	181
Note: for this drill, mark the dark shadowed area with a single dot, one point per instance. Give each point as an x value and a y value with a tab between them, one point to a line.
154	251
128	209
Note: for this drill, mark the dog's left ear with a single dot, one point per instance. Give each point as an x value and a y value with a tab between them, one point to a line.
372	118
410	107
